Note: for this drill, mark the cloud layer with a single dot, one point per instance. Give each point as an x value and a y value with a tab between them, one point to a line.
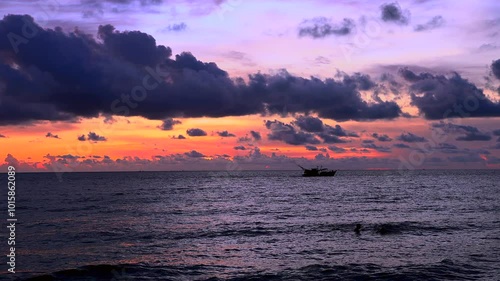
322	27
127	73
392	12
441	97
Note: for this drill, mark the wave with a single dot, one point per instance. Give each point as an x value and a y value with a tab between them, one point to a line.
74	209
444	270
386	228
411	228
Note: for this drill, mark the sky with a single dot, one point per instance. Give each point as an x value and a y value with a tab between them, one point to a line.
139	85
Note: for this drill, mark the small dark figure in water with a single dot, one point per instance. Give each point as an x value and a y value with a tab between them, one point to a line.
383	230
358	229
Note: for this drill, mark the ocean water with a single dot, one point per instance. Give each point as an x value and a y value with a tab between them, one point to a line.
416	225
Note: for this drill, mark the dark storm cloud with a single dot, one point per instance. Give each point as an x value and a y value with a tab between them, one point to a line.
73	75
255	135
311	148
128	74
331	138
382	138
336	149
390	83
496	132
11	160
363	150
322	157
448	127
176	27
134	46
195	132
335	134
411	76
378	148
186	61
91	136
392	12
225	134
337	100
168	124
306	129
50	135
409	137
322	27
441	97
315	125
287	133
362	81
68	157
309	124
434	23
194	154
495	68
339	131
401	145
471	133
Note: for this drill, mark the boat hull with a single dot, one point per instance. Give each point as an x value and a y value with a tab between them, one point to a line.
321	174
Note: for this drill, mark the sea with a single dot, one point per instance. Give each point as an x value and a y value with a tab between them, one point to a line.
255	225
